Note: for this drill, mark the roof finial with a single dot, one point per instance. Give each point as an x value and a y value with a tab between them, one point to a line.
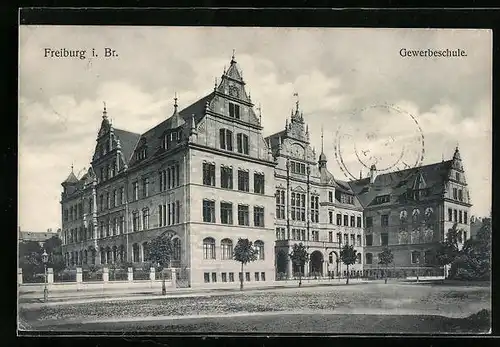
442	157
215	85
104	112
175	102
224	69
322	139
360	173
260	113
297	102
232	58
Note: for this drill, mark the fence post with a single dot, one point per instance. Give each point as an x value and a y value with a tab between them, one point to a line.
20	276
105	274
50	275
130	275
174	278
152	275
79	275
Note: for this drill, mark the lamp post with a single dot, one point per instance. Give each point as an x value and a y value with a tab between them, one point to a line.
418	266
45	259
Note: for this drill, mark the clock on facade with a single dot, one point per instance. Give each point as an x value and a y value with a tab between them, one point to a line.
233	91
297	151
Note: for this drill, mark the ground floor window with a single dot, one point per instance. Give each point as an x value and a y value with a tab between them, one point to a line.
224	277
231	277
206	275
256	276
262	276
247	276
214	276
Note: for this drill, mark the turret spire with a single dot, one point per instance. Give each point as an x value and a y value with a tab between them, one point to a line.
322	139
104	112
297	102
232	58
215	85
322	157
175	102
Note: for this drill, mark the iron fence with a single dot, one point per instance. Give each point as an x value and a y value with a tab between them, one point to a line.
182	278
91	276
118	275
33	278
140	274
65	276
167	273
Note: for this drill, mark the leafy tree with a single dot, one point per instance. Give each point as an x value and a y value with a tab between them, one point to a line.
53	247
474	262
385	258
447	251
348	257
244	252
299	256
160	253
30	257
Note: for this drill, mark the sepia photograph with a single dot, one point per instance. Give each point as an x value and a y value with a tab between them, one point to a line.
273	180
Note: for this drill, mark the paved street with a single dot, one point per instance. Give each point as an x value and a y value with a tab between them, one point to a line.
254	310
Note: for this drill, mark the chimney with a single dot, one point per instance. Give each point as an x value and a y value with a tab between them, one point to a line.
373	173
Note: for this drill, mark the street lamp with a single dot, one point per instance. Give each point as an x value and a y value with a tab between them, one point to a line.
45	259
418	266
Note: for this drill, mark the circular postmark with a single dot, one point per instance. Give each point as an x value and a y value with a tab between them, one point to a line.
383	137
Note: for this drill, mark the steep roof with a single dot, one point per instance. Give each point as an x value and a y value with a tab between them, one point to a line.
35	236
128	140
396	184
71	178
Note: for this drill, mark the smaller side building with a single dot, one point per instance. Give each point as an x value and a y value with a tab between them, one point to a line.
40	237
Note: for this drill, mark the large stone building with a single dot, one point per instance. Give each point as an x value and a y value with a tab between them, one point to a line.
204	175
207	176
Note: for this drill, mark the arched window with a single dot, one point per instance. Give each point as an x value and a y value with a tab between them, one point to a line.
403	215
145	250
85	257
259	246
176	249
358	258
135	253
122	253
415	215
208	248
103	256
109	255
226	246
93	254
115	254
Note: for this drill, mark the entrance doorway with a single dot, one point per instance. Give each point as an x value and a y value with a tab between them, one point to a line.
316	264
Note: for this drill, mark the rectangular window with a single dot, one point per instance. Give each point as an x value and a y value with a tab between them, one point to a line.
369	222
243	215
346	239
234	110
177	212
330	196
258	216
455	195
339	219
145	219
209	211
460	217
466	221
242	143
177	175
114	201
353	239
224	277
450	215
226	139
122	225
280	204
384	239
258	183
214	277
415	257
346	220
315	235
358	240
145	187
209	174
262	276
384	220
455	219
256	276
330	236
315	209
330	217
101	205
122	195
369	240
136	190
339	238
231	277
353	221
206	276
358	222
108	201
226	177
460	195
226	213
247	276
135	221
243	181
369	258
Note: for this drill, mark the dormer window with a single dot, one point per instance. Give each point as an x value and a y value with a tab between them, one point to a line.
172	138
141	154
382	199
234	110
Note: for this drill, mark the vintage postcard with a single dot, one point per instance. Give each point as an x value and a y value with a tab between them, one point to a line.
251	179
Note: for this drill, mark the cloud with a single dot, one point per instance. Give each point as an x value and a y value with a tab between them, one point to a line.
336	73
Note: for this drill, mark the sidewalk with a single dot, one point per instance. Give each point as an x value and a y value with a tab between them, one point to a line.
34	300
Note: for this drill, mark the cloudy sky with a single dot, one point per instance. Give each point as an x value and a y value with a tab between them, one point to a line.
334	71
